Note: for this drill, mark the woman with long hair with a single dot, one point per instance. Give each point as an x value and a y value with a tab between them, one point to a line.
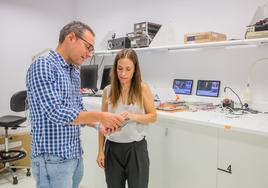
125	156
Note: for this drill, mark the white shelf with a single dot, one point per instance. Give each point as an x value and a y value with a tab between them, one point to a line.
231	43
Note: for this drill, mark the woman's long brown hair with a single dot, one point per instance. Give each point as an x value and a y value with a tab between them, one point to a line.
135	91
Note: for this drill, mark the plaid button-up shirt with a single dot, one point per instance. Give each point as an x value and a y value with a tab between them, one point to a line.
53	90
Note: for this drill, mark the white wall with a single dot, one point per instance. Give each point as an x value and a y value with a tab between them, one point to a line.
182	16
230	65
27	27
231	17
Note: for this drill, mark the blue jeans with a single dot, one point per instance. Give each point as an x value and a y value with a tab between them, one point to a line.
51	171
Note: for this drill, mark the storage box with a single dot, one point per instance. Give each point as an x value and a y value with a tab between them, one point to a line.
17	142
203	37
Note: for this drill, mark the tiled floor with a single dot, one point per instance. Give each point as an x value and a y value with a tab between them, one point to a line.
23	181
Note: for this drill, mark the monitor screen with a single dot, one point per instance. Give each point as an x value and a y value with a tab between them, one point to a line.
106	76
181	86
89	76
209	88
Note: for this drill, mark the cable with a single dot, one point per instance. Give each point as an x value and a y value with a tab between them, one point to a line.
147	35
229	108
244	107
235	94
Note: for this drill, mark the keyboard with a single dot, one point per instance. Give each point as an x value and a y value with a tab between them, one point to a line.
97	95
91	95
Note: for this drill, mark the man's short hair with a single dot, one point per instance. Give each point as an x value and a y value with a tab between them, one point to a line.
75	26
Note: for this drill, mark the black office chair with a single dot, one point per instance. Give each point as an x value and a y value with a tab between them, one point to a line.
18	103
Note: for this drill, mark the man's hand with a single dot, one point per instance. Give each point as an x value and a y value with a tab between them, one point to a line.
111	121
106	131
116	119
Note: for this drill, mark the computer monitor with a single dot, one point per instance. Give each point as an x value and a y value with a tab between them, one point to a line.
89	76
182	86
106	76
208	88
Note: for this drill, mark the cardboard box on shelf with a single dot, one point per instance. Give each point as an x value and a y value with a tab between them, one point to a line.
203	37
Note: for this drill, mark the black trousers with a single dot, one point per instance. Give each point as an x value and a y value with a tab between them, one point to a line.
126	161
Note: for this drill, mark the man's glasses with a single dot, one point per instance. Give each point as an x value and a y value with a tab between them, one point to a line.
89	46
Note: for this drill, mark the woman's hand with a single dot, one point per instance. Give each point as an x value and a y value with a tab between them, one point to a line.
124	114
131	116
110	120
100	159
128	115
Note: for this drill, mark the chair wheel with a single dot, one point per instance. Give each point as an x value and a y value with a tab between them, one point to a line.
14	169
28	173
15	180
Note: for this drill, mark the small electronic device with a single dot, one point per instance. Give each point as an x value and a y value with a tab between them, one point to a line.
118	43
149	27
143	34
257	30
208	88
139	40
126	121
106	76
228	103
182	86
89	76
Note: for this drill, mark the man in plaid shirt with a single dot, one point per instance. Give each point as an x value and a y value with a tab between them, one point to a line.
57	112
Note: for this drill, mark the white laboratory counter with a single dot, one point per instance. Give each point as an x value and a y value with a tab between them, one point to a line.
195	149
250	123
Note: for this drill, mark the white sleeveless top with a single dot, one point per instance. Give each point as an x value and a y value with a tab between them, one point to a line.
132	131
